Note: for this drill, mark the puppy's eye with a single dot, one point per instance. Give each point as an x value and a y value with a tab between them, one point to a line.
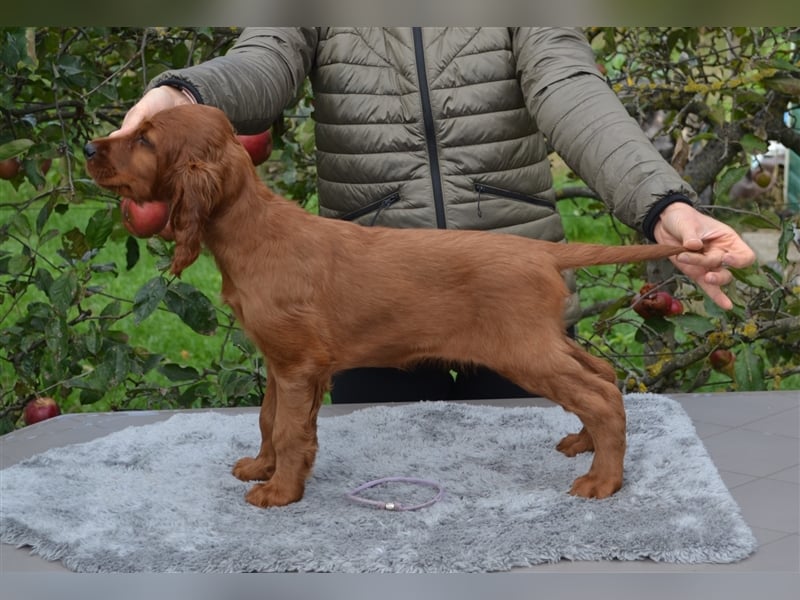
141	139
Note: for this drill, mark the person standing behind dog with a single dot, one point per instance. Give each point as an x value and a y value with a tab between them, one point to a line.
448	128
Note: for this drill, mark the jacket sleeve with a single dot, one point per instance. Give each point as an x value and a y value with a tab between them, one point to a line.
259	76
589	127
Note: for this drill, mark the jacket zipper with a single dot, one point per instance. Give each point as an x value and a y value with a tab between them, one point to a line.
430	133
376	206
482	188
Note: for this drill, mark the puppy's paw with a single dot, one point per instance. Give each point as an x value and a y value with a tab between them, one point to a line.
253	469
575	443
268	494
591	486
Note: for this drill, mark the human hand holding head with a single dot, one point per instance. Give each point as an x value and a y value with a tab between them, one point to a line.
155	100
713	247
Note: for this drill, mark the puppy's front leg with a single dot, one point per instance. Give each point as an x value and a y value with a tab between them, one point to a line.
262	466
294	443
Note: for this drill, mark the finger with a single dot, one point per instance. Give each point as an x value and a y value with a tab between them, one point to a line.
740	259
711	259
710	281
716	294
718	278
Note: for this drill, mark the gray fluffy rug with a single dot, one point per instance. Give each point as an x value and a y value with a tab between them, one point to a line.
161	497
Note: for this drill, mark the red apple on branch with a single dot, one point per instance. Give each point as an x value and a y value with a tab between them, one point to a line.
40	409
650	303
144	219
675	307
722	360
9	168
258	146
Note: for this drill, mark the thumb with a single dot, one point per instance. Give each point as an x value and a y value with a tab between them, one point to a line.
692	242
685	225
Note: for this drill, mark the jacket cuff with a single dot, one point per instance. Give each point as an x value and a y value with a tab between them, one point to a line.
654	213
184	86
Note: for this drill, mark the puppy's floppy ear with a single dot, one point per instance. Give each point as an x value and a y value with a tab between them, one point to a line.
197	188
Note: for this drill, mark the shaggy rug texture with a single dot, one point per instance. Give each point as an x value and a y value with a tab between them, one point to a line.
161	497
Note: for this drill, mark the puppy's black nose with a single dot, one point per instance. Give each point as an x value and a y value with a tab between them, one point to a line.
89	150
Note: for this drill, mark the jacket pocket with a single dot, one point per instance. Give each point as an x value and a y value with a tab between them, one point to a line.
482	188
373	207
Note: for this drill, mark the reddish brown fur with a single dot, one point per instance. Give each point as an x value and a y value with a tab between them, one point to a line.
321	295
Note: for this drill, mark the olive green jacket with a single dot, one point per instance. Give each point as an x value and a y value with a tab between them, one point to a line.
443	127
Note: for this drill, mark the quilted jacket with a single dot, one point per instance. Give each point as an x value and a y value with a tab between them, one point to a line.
443	127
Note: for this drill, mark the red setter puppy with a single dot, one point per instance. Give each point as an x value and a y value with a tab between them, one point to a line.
321	295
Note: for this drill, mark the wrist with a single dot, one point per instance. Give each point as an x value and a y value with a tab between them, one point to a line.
667	203
173	96
188	91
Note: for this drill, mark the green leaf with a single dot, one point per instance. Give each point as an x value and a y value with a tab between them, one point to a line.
752	277
22	225
180	56
43	279
196	395
110	313
63	291
99	228
18	264
74	243
237	384
749	370
786	238
132	252
244	343
14	148
120	363
93	338
193	307
782	65
693	324
57	338
176	372
728	178
612	309
653	327
147	360
148	298
158	247
785	85
753	144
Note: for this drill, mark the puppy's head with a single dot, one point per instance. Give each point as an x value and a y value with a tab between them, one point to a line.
187	156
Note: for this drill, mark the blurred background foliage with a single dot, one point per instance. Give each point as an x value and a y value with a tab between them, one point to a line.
89	317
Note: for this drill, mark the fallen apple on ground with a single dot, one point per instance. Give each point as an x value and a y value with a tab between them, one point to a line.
40	409
144	219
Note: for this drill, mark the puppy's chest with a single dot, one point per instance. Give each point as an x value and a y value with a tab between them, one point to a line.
252	306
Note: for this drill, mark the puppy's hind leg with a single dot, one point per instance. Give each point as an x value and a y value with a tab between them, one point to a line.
575	443
598	404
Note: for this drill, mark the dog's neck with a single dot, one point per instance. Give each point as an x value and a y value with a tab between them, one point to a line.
253	218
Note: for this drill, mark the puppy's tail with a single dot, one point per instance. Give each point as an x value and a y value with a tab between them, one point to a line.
571	256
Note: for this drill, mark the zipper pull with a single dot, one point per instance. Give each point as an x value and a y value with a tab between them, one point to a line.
479	189
385	203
